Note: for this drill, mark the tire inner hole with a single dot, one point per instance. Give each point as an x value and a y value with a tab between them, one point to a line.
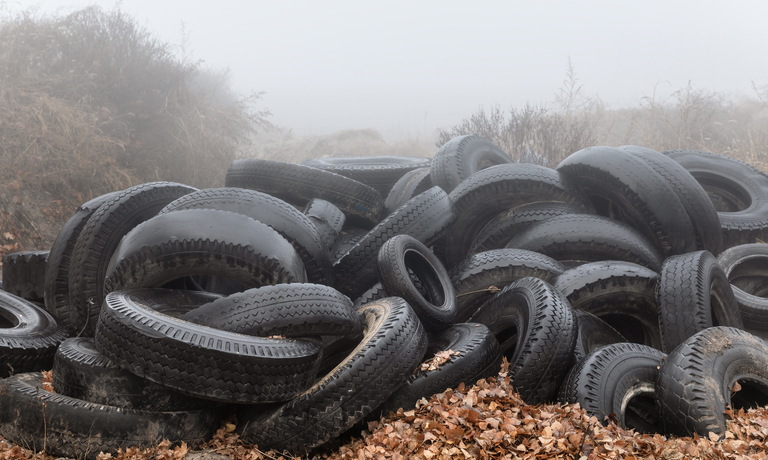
7	320
419	268
725	195
753	394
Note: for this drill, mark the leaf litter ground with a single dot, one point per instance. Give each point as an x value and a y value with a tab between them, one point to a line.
486	421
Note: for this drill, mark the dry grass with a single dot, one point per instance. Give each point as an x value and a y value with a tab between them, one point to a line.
690	118
91	102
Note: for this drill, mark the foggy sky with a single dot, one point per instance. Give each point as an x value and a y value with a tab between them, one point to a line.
409	67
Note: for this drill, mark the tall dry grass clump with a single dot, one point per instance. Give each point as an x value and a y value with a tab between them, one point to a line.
689	118
91	102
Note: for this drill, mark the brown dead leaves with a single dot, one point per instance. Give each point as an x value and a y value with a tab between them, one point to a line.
434	363
488	421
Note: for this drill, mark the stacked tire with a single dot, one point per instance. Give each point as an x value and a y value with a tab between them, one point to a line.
308	298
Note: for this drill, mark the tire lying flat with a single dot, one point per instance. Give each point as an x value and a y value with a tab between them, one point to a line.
29	336
198	360
62	426
298	184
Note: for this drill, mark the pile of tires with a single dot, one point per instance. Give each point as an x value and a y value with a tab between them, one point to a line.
308	298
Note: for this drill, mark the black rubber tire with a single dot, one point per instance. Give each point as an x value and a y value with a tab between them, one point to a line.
29	336
327	219
198	360
625	187
575	239
298	184
99	239
80	371
692	195
378	171
693	294
494	190
57	273
482	275
423	217
746	267
376	292
24	274
536	329
502	228
622	294
476	355
346	240
410	185
67	427
203	242
592	334
402	258
617	381
393	347
288	310
463	156
289	222
696	381
739	192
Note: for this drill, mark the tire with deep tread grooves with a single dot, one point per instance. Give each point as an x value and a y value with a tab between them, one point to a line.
410	185
377	171
489	192
276	213
694	294
618	380
625	187
99	239
327	219
692	195
463	156
575	239
749	263
57	273
536	329
592	334
480	276
697	381
29	336
502	228
346	240
620	293
475	355
198	360
62	426
203	242
80	371
24	274
288	310
298	184
403	258
738	190
393	347
423	217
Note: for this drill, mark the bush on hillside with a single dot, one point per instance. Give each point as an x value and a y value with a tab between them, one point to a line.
91	102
